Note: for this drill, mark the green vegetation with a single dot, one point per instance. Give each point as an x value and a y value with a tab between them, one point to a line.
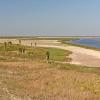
57	56
77	68
26	75
14	52
10	47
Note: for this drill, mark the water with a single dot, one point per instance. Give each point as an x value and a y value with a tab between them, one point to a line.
88	42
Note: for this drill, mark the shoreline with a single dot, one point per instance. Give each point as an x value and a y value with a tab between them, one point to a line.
78	45
80	55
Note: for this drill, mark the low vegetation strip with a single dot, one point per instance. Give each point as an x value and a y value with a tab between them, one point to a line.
78	68
14	52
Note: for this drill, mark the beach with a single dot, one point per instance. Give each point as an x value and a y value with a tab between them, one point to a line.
80	56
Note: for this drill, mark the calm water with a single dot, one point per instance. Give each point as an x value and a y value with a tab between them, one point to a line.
88	42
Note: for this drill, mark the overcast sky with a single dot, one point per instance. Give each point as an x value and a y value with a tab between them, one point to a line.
50	17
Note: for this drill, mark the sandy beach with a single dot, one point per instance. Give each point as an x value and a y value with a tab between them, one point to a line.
80	56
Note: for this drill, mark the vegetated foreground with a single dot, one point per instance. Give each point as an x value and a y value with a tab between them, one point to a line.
27	76
41	81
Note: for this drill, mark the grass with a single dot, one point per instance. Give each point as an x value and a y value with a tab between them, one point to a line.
12	51
39	53
58	54
32	79
77	68
41	81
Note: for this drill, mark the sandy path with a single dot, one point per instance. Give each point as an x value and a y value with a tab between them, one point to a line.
81	56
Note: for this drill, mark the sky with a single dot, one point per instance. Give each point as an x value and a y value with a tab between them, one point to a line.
50	17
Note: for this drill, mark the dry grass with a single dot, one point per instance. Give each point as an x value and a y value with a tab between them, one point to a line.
41	81
25	78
